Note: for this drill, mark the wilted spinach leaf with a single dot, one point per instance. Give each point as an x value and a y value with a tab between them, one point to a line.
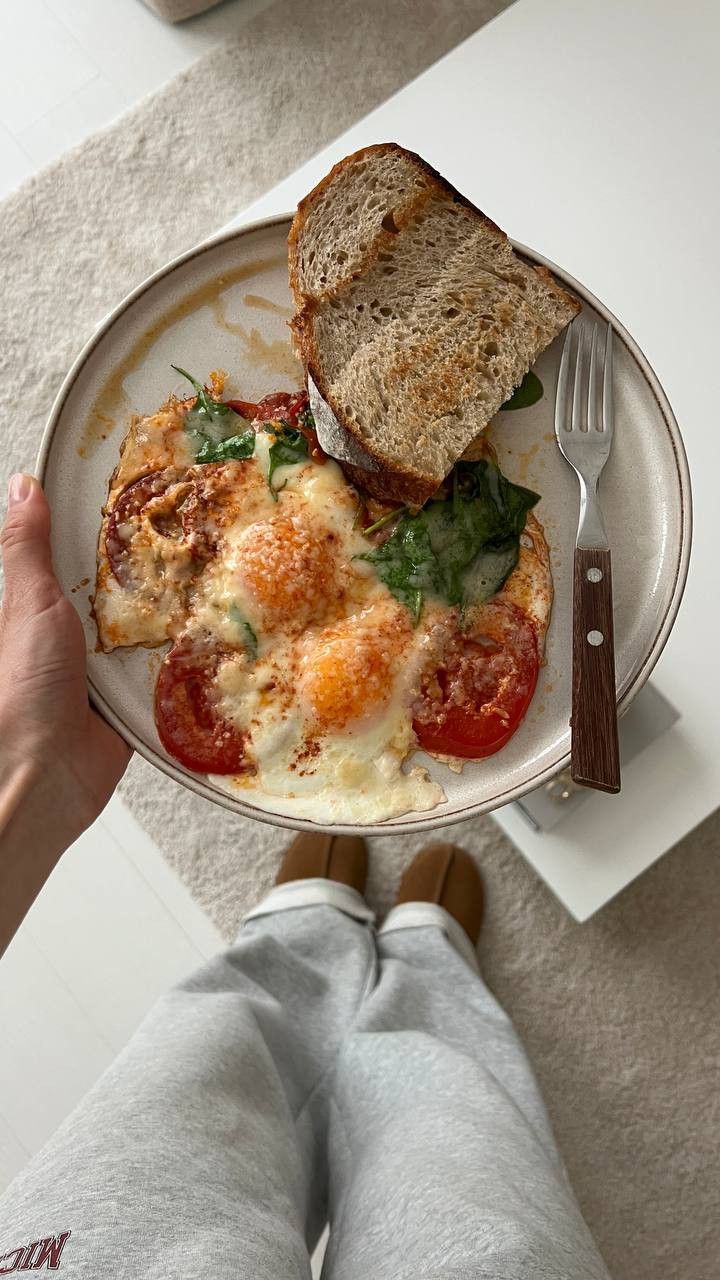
238	447
288	448
461	548
209	423
529	392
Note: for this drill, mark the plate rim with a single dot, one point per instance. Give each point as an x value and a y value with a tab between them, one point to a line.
423	821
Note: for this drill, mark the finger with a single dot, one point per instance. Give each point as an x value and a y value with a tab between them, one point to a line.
25	542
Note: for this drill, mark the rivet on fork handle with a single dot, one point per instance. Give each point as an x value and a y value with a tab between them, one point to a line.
595	750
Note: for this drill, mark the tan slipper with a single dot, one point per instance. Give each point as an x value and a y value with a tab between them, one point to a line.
447	875
312	855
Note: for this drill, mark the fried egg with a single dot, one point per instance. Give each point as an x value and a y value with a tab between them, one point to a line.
335	752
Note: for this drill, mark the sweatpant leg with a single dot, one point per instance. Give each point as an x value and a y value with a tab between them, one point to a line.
201	1152
442	1158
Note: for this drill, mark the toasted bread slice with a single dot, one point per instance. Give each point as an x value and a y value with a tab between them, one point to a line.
416	319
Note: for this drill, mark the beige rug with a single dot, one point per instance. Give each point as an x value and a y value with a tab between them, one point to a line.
621	1016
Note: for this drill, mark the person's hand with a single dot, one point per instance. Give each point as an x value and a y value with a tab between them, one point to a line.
44	709
59	761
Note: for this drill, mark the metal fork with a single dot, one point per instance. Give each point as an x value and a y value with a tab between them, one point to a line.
584	431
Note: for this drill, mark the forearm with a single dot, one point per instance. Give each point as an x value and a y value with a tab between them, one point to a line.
34	832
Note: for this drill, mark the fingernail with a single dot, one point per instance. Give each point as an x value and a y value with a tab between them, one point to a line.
20	488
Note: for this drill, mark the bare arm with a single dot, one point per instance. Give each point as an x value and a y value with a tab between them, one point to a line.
59	762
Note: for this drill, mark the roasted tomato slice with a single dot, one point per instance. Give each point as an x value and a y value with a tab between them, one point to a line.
472	704
188	722
282	404
123	519
246	408
279	404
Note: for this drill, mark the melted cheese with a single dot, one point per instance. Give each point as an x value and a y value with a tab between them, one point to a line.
322	663
530	584
326	705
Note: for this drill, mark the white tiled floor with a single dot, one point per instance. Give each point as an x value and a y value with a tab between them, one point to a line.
113	927
72	66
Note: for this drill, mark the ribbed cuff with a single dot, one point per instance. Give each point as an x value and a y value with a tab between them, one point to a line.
417	915
313	893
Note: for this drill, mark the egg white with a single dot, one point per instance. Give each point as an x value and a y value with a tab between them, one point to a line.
355	778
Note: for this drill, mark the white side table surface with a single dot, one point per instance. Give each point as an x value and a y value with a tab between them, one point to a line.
588	132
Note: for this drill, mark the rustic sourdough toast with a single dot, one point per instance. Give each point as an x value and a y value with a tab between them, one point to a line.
415	318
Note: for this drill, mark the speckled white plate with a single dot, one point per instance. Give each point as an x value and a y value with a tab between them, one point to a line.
225	305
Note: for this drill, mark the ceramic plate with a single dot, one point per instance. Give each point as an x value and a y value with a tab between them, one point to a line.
225	305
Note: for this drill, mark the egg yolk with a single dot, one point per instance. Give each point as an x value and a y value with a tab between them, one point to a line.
288	569
349	673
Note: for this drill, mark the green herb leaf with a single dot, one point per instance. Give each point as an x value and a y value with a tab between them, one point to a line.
529	392
209	422
250	641
407	564
288	448
460	549
238	447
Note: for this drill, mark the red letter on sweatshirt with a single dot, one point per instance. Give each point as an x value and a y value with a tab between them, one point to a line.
49	1255
27	1263
11	1261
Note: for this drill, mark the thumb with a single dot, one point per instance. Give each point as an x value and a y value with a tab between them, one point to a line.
25	542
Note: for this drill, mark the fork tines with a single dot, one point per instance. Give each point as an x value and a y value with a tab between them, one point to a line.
584	395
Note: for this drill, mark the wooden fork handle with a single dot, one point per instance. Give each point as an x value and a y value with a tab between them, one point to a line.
595	756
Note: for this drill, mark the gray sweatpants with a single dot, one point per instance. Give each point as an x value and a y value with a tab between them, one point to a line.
315	1071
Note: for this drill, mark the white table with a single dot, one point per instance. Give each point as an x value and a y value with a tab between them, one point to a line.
588	130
